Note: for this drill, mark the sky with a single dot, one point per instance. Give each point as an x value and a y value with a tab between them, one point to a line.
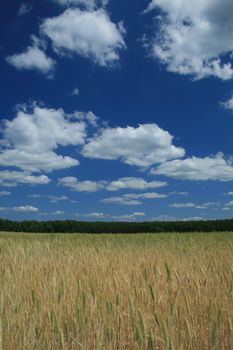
114	110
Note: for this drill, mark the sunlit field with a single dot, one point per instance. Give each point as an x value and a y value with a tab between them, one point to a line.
119	292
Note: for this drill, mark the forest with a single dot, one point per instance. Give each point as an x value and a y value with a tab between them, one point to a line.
72	226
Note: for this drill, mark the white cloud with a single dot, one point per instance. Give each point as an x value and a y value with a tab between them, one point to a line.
135	183
32	138
97	215
90	34
55	199
88	117
90	4
13	178
75	92
21	209
208	168
229	193
24	9
193	205
147	195
25	209
195	37
227	209
81	186
132	198
184	205
143	146
228	104
4	193
121	201
58	212
32	59
168	218
137	216
120	184
193	218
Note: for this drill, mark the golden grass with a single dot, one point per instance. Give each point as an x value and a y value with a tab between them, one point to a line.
155	292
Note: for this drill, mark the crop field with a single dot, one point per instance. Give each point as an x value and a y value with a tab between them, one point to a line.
116	292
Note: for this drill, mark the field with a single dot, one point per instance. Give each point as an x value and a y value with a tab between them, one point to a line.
116	292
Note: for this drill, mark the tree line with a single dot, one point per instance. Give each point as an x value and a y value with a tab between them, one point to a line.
71	226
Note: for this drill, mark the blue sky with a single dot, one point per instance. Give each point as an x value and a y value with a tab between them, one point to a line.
116	112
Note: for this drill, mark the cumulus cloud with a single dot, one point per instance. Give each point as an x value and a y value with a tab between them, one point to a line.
228	104
88	117
32	59
135	183
88	33
90	4
58	212
208	168
193	218
55	199
30	145
13	178
51	198
75	92
81	186
147	195
24	9
4	193
132	198
194	205
137	216
121	201
96	215
142	146
25	209
194	37
167	218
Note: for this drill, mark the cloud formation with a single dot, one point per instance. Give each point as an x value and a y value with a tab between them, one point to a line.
4	193
142	146
25	209
13	178
194	37
21	209
24	9
58	212
30	145
32	59
194	205
202	169
81	186
88	33
133	183
132	198
90	4
228	104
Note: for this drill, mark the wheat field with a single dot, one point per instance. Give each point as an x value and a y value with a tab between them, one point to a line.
116	292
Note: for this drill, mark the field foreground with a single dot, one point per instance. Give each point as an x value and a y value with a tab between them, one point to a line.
116	292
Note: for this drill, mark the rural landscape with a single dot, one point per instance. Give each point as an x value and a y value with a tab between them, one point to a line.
145	291
116	175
